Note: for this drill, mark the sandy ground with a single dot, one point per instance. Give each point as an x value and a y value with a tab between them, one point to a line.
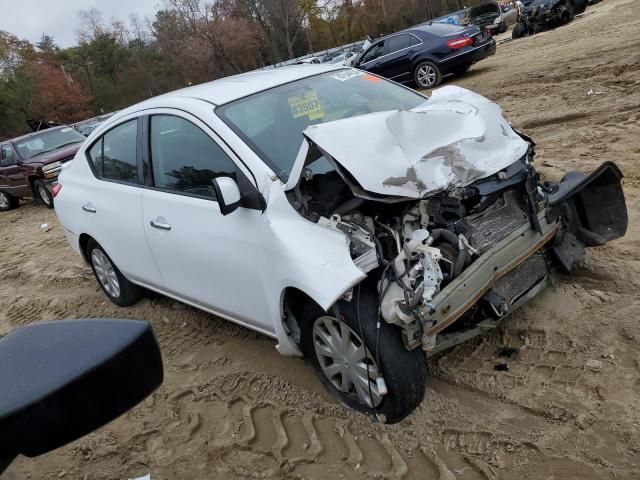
230	407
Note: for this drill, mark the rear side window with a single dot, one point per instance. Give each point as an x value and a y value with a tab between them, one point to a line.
398	43
114	156
185	159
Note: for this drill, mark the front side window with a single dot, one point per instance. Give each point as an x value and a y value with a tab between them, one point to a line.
398	42
271	122
114	155
374	52
185	159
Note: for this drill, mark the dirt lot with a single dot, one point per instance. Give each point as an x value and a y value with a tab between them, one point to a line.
567	407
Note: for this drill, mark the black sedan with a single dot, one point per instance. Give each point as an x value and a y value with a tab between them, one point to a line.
424	54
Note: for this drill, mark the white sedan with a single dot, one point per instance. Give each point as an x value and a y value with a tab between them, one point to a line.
357	222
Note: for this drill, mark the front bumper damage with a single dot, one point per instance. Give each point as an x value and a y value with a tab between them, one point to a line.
582	211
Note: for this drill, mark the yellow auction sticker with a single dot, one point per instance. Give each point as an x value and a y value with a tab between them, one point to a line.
307	104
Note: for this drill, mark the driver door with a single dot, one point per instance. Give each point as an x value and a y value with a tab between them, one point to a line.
370	60
12	178
205	258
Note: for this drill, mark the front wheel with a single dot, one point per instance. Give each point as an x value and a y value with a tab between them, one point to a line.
351	357
119	290
519	30
427	75
8	202
43	194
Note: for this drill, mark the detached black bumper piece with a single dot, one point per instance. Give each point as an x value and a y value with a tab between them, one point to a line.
592	209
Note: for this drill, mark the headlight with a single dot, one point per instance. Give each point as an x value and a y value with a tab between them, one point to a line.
51	170
51	166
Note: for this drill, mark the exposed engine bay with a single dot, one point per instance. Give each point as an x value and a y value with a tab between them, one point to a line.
454	263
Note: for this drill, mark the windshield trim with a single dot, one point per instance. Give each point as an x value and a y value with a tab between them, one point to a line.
283	176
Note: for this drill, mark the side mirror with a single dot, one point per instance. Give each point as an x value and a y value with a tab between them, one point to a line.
227	193
61	380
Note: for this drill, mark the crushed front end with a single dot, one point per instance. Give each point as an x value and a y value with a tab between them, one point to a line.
455	264
445	213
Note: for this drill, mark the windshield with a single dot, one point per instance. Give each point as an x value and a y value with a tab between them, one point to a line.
48	141
272	122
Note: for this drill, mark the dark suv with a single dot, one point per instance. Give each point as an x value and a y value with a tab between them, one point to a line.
29	165
424	54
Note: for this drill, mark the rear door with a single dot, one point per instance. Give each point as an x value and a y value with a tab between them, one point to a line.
395	64
110	201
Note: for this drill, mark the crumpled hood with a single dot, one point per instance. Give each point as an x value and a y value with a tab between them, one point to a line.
453	139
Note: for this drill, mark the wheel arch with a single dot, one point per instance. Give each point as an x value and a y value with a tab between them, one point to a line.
292	301
31	179
83	241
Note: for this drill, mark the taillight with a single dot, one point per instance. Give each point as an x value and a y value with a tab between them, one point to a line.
459	42
56	189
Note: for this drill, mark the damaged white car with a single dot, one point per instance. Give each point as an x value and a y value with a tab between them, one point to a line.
359	223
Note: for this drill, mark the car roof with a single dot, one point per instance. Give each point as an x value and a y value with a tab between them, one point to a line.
228	89
35	134
436	28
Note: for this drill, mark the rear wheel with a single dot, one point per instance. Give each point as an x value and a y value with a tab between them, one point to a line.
427	75
350	356
119	290
43	194
8	202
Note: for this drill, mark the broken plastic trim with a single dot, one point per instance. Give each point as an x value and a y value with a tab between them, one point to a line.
592	207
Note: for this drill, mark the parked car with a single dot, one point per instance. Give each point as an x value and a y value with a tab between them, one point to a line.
423	55
345	59
487	15
356	221
510	13
85	127
539	15
29	165
309	61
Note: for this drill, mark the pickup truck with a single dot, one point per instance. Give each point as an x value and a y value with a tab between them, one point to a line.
29	165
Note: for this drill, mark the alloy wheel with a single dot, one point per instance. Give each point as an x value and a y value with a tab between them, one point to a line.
105	272
44	195
4	200
427	76
345	360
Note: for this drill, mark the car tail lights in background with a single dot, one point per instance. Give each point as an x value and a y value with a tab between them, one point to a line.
56	189
459	42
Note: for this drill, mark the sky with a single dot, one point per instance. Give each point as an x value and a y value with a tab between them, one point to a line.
29	19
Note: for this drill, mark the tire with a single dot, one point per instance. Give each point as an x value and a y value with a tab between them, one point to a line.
42	193
8	202
427	75
518	31
404	371
115	286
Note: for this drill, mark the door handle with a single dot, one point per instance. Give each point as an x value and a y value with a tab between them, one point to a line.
160	223
88	207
